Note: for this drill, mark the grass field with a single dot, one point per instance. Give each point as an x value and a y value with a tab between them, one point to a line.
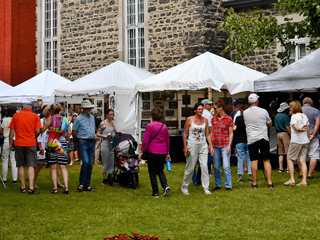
243	213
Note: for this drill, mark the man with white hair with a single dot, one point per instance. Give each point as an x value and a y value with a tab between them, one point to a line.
313	115
207	103
25	125
257	121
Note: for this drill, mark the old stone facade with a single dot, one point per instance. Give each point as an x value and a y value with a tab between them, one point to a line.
89	36
92	34
181	30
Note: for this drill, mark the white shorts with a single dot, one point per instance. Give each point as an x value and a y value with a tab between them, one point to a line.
313	151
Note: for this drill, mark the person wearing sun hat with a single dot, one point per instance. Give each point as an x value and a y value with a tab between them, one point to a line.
83	132
282	124
257	121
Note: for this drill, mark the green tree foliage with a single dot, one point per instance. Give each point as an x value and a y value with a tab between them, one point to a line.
248	32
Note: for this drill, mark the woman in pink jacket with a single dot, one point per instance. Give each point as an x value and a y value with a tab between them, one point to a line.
157	143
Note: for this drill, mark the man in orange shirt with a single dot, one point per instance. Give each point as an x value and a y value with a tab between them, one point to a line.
25	125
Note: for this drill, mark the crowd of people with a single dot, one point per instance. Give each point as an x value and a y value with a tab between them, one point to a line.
210	136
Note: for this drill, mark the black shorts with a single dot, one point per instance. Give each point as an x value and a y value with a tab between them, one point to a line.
263	146
26	156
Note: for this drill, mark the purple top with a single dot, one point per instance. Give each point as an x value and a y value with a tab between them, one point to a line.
159	145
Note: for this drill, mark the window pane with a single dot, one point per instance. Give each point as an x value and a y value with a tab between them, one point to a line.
302	50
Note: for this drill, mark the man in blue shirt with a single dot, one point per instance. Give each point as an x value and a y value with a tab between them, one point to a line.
282	124
83	132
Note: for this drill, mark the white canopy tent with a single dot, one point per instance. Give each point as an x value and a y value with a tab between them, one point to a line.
204	71
40	86
118	78
4	86
303	75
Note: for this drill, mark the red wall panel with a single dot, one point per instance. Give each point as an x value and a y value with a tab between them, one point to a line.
17	40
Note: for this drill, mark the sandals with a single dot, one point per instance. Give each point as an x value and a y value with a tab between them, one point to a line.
80	188
290	183
254	186
23	190
302	184
66	191
271	186
54	191
31	191
60	185
90	189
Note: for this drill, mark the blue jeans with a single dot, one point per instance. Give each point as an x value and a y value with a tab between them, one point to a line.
242	149
226	166
196	177
210	162
86	149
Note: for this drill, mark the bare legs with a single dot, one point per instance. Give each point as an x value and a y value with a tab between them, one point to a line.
267	168
37	170
281	157
22	175
53	173
312	166
303	171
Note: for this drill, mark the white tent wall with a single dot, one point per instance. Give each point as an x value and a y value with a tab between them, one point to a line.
124	114
303	75
194	96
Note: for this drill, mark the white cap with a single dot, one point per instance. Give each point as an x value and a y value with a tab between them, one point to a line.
253	98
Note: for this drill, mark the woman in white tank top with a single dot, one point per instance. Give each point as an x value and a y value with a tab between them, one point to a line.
197	148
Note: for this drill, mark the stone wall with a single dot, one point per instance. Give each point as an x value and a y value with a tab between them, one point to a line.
261	60
89	36
182	29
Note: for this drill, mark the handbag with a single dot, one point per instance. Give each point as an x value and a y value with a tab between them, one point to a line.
49	151
145	153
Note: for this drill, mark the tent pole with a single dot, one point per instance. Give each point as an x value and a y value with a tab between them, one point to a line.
210	93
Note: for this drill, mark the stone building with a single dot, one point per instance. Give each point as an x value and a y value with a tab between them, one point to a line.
76	37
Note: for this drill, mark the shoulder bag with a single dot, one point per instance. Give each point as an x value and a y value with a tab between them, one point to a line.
145	153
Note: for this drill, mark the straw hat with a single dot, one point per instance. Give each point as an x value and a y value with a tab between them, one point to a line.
86	104
283	106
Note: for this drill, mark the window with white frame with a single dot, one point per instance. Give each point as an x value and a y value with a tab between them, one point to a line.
135	42
299	51
50	40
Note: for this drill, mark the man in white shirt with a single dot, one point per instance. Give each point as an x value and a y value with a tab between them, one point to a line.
207	114
257	121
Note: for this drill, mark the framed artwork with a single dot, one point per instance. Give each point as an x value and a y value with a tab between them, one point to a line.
145	114
144	123
183	122
99	103
200	99
186	100
173	105
112	103
171	95
159	104
142	135
172	124
186	112
40	103
156	95
145	96
146	105
169	113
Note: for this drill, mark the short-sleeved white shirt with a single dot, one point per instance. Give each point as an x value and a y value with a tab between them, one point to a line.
301	120
207	114
256	120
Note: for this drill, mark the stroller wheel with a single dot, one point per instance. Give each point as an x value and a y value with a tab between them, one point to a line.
134	182
110	179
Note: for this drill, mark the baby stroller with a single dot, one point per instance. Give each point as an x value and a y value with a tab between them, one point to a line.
124	146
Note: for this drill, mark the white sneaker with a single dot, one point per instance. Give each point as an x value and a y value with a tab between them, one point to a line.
185	191
166	192
207	192
71	163
211	175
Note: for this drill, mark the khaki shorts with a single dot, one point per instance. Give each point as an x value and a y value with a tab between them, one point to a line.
283	143
313	152
298	151
26	156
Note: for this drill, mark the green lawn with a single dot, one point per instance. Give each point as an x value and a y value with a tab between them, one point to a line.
243	213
